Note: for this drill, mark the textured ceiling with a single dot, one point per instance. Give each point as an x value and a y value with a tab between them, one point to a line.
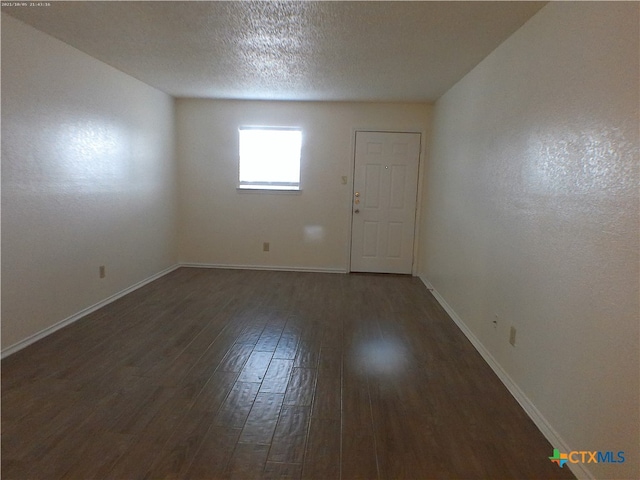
297	50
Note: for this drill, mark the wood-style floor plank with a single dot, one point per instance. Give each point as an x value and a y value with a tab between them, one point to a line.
224	374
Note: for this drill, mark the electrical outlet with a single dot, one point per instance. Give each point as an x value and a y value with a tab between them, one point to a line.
512	336
103	272
265	247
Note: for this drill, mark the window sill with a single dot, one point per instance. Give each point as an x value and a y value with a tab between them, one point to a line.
272	190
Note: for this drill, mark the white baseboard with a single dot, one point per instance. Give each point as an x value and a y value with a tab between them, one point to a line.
77	316
578	469
264	267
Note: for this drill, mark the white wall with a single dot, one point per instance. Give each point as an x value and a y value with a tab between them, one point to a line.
310	230
88	179
531	214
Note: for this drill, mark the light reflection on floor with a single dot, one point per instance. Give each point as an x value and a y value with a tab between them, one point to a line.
380	356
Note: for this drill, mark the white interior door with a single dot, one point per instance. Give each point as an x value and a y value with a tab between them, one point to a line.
385	185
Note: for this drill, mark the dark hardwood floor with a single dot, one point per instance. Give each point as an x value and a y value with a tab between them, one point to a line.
253	374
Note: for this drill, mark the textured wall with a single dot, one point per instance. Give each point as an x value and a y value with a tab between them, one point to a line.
88	179
219	225
532	215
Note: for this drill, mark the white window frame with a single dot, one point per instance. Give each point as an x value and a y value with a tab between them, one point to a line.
268	184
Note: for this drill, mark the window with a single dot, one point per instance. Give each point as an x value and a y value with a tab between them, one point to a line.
270	158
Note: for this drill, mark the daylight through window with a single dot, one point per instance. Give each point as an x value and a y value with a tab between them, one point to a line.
270	158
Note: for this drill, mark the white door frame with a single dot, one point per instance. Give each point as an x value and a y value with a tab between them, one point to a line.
418	213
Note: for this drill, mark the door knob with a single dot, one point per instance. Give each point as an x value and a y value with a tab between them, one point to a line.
357	210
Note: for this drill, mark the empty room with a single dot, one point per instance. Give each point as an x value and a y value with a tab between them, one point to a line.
320	240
